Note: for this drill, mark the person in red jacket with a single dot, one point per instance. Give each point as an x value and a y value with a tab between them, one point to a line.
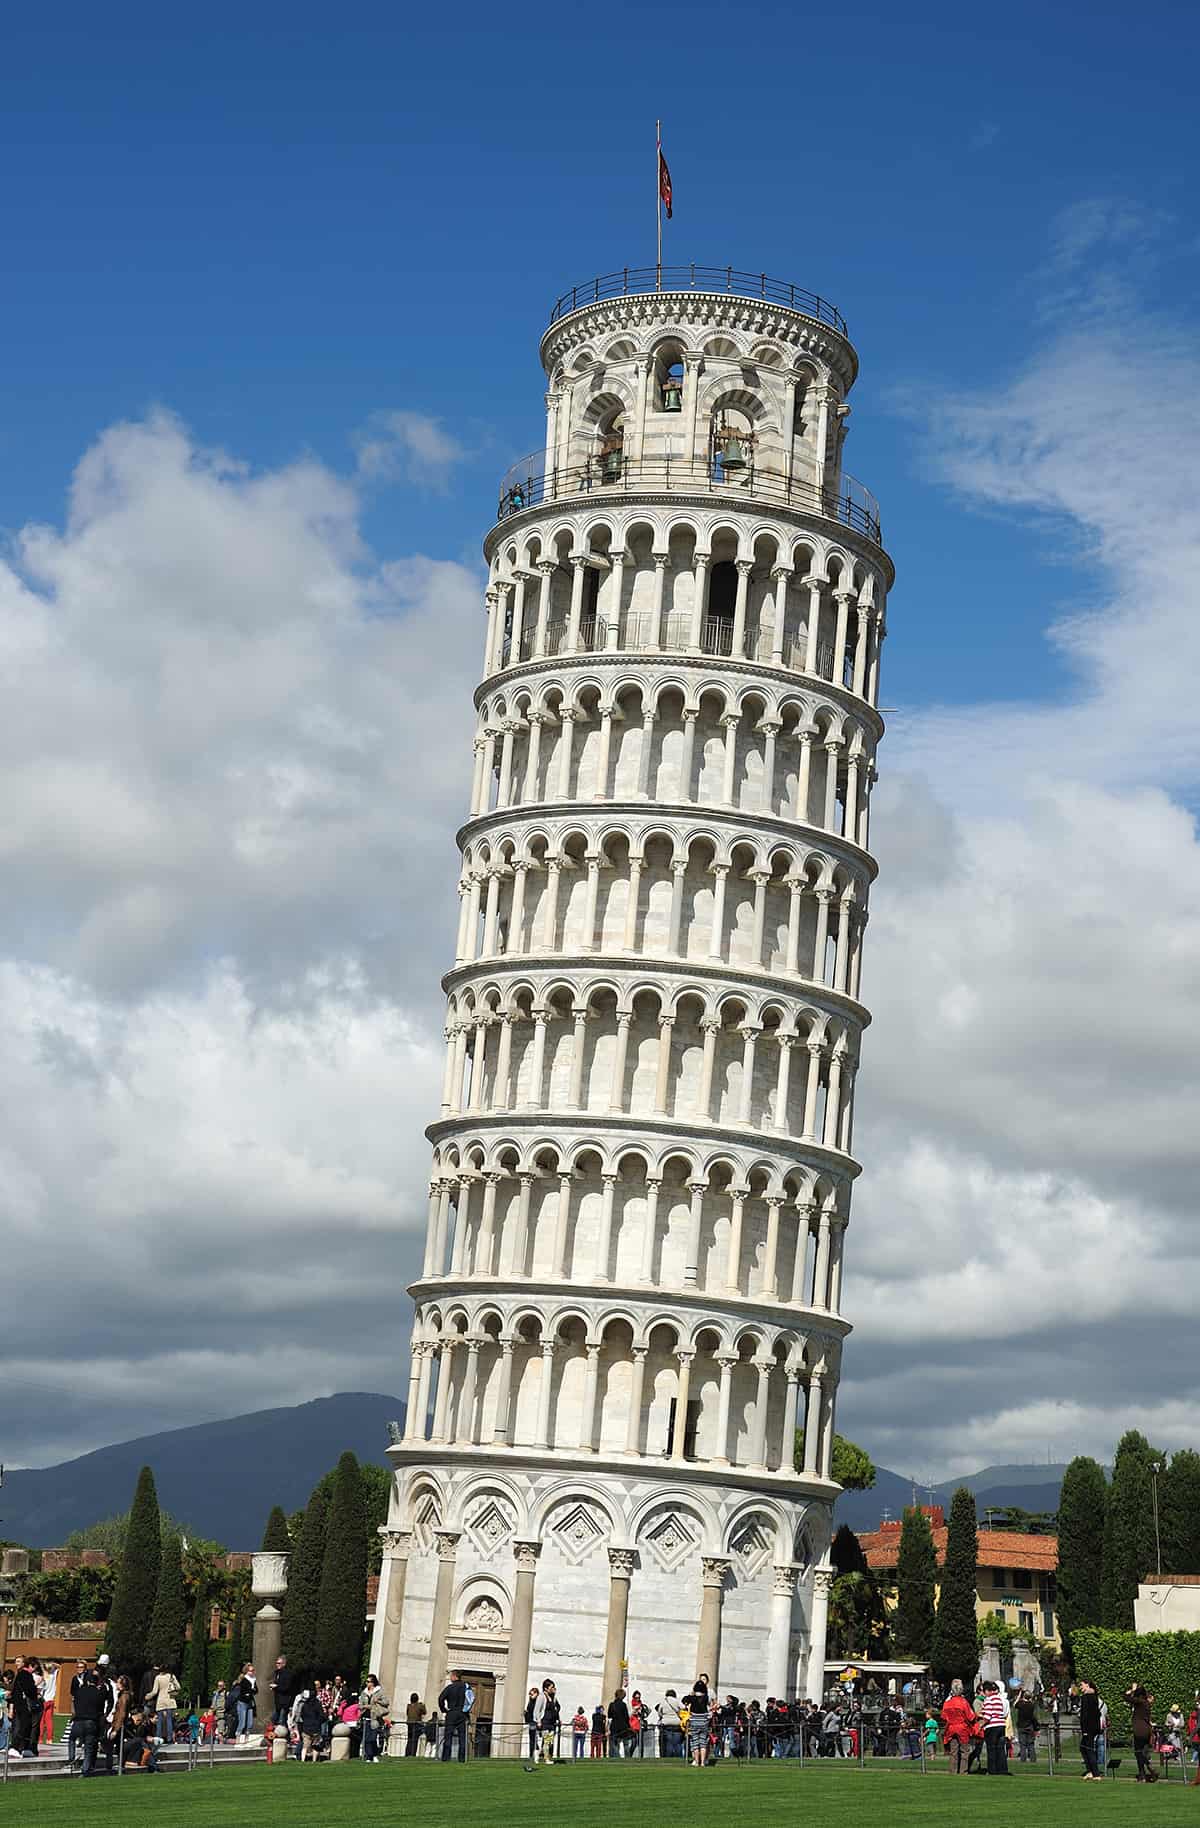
958	1717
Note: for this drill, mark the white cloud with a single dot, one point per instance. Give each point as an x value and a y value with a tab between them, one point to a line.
415	447
233	748
1030	1084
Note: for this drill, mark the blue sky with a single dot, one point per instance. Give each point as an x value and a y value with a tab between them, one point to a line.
235	694
277	220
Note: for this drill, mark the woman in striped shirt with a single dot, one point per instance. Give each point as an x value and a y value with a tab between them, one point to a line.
995	1715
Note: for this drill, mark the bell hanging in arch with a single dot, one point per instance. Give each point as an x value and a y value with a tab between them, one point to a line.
733	451
672	396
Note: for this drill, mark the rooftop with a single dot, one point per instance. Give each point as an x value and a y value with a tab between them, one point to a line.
996	1549
630	280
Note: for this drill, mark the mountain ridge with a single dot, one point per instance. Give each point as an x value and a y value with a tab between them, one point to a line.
221	1478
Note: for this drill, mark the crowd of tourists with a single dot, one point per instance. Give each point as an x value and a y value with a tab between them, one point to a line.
115	1721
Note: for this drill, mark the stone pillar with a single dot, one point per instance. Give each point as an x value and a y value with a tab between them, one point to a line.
713	1570
633	1436
268	1582
393	1579
620	1565
779	1637
516	1681
818	1630
435	1674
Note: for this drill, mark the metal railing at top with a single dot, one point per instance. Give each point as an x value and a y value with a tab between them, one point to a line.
730	280
528	484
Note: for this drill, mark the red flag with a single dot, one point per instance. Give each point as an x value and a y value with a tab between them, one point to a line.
664	182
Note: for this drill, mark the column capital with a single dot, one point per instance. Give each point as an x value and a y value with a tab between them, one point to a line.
726	1359
547	566
697	1186
396	1543
666	1022
685	1355
823	1581
711	1025
447	1543
661	560
713	1569
744	567
780	571
785	1042
579	559
783	1579
749	1031
621	1563
526	1550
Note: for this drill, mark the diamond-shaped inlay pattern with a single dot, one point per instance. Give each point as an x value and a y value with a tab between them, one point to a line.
753	1543
577	1531
670	1539
490	1526
425	1521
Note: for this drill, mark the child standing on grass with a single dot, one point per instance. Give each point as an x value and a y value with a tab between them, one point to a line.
931	1732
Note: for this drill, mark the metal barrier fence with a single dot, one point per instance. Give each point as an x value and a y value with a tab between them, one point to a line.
865	1745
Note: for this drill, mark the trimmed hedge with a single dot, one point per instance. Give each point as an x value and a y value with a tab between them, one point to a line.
1167	1662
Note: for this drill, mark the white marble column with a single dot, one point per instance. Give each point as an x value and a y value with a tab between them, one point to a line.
779	1635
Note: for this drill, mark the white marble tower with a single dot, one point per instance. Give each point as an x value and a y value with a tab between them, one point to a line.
631	1294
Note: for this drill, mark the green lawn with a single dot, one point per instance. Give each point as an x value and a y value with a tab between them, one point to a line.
607	1795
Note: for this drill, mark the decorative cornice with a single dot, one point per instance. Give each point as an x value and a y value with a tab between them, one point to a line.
807	991
629	660
707	310
576	813
823	1330
794	1152
800	1489
750	508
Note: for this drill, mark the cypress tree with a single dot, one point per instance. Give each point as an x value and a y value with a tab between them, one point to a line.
1179	1513
275	1537
1082	1504
195	1662
342	1610
304	1586
846	1552
1128	1530
955	1637
916	1578
137	1582
168	1622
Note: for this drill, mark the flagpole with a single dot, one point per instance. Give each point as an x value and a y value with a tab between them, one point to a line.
658	200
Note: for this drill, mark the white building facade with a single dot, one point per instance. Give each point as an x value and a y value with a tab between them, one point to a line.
631	1293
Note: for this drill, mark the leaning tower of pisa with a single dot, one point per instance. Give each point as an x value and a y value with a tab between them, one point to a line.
631	1294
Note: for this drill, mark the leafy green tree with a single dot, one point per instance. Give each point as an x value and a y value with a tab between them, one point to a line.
195	1662
304	1585
168	1622
341	1609
1179	1513
1082	1504
137	1581
851	1465
276	1539
1129	1552
916	1581
954	1653
846	1552
858	1616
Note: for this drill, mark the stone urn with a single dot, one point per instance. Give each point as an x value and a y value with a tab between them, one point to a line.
269	1576
339	1745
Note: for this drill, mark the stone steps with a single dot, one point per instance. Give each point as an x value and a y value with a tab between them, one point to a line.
52	1760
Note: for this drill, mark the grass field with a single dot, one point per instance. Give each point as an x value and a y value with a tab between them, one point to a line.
607	1795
